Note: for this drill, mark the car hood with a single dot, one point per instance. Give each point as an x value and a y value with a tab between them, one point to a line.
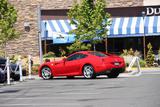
54	62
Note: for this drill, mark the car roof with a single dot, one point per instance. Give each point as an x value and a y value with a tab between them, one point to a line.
84	52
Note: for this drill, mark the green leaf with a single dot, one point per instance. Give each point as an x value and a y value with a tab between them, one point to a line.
90	18
8	17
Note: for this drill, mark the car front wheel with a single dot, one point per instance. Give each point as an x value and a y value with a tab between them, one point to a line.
46	73
88	72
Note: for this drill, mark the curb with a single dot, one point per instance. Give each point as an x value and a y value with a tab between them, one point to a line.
33	77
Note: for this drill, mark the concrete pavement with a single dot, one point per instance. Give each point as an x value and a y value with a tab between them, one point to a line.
142	91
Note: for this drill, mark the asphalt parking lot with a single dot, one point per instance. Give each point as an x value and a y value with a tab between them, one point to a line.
139	91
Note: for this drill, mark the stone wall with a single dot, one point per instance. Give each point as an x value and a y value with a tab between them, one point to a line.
28	10
151	2
124	3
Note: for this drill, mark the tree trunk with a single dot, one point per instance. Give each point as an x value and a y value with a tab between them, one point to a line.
94	47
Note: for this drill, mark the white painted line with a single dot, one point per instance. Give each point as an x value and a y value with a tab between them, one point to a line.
48	104
44	98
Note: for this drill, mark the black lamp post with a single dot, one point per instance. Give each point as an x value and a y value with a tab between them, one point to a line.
144	41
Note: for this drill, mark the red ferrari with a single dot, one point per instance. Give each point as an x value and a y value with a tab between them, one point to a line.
84	63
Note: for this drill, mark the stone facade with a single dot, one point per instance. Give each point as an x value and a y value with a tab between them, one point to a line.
151	2
124	3
28	12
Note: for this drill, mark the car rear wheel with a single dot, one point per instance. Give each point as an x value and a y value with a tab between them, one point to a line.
46	73
113	74
88	72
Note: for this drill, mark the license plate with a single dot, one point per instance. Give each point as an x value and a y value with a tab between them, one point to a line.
116	63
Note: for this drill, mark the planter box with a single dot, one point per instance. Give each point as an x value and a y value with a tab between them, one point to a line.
128	58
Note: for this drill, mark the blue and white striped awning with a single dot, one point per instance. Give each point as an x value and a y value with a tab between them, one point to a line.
120	27
134	26
59	26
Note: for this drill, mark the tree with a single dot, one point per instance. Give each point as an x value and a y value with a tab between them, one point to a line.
150	55
77	45
8	17
90	19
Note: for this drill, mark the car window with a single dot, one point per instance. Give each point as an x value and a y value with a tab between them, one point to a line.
73	57
82	56
76	56
99	54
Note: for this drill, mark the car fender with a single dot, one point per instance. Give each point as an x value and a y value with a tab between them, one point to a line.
50	65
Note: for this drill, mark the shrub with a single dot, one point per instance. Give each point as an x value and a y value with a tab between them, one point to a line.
49	55
2	53
62	52
14	58
150	56
130	52
128	56
142	63
35	69
125	52
78	46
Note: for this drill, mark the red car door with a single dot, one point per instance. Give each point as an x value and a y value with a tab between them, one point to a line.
59	68
72	65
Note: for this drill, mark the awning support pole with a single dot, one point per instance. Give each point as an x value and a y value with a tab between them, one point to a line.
45	46
144	46
144	41
106	46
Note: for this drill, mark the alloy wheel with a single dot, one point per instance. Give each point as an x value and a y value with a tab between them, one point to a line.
88	71
46	73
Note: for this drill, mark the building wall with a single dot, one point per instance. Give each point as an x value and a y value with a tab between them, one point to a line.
28	12
151	2
124	3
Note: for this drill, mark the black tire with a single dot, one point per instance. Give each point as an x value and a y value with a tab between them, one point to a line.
16	77
46	73
113	74
88	72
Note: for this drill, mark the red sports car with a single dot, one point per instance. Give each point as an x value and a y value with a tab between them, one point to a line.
84	63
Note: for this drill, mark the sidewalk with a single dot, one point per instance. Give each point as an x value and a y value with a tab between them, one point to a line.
152	69
33	77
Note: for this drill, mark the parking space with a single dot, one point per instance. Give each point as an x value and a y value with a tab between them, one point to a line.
139	91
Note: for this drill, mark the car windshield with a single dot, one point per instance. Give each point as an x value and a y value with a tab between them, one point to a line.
99	54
